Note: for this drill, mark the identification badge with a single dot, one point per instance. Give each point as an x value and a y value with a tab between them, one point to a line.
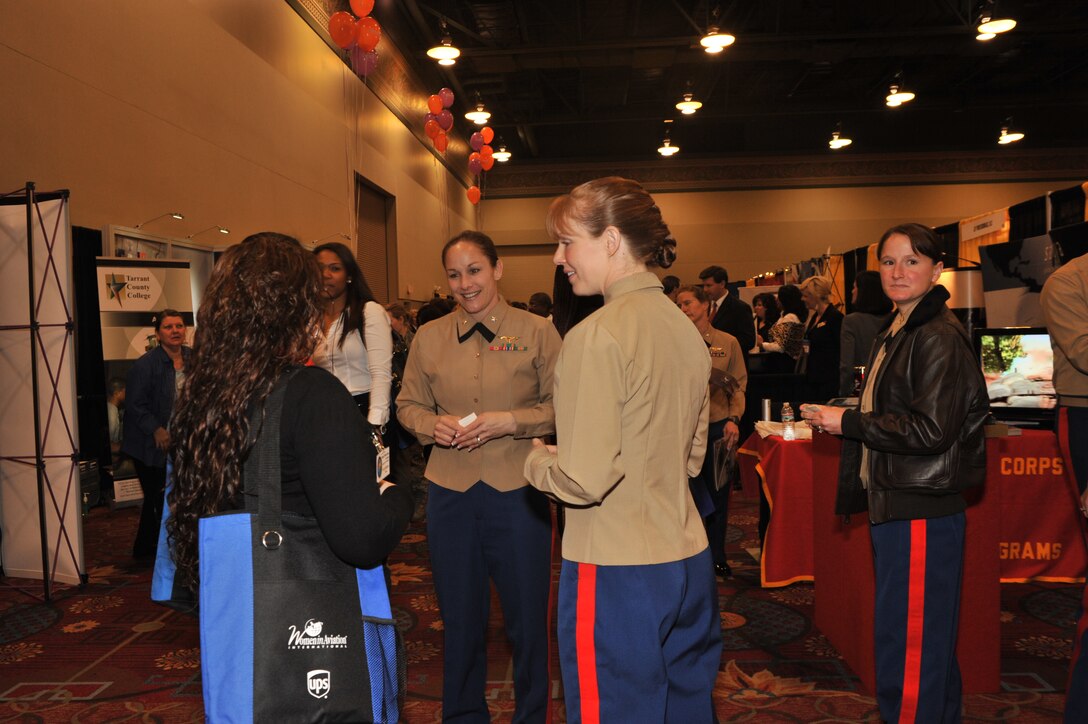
381	461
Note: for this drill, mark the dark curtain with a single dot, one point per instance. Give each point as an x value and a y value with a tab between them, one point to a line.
1027	219
94	441
949	236
1067	207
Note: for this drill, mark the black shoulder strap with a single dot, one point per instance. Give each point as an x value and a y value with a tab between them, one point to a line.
261	472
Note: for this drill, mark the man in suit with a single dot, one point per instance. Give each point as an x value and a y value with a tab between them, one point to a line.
727	312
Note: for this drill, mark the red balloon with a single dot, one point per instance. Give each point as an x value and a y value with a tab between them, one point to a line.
473	194
434	104
488	134
447	97
486	152
431	129
441	141
486	162
368	33
445	119
362	8
342	29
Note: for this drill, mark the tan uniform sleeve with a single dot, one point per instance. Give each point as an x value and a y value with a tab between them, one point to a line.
593	378
1065	305
738	371
416	407
699	443
539	420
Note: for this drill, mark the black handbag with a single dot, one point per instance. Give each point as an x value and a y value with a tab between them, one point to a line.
288	631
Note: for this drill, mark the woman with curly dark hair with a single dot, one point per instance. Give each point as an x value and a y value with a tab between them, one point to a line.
258	321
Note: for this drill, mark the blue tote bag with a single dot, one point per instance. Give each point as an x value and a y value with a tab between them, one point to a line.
288	631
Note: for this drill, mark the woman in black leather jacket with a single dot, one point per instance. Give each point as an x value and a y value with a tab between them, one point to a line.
913	445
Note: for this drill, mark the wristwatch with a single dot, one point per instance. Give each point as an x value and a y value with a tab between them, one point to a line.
733	419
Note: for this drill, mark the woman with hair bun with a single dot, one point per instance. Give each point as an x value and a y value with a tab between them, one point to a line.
639	629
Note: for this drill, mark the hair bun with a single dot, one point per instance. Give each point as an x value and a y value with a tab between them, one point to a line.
666	253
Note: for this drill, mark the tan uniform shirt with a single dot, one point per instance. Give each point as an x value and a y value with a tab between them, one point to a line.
513	372
1065	304
631	414
726	356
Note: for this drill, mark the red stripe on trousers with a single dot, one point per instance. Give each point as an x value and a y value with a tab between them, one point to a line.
585	650
916	610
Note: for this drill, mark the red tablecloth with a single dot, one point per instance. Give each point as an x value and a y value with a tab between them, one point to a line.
784	470
1041	537
1040	534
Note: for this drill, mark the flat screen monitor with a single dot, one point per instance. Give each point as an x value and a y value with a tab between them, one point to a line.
1018	365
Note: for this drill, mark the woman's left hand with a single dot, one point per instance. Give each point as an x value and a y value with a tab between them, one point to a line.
486	426
823	418
731	434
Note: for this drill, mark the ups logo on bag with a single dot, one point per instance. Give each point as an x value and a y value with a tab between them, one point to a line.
318	683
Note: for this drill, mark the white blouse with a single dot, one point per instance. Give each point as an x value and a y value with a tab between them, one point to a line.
362	368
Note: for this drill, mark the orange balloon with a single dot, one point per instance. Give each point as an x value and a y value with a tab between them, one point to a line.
431	129
473	194
342	29
488	134
487	162
368	33
434	104
486	152
441	141
362	8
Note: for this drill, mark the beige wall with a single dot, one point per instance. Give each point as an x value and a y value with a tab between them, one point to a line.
233	112
750	232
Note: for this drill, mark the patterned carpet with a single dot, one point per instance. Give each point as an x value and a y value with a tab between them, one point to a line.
106	653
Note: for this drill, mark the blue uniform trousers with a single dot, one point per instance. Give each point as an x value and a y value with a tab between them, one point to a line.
475	537
639	643
1073	432
919	566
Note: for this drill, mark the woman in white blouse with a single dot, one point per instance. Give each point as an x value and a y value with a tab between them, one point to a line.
355	343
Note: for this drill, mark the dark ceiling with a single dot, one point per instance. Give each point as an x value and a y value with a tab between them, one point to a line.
595	80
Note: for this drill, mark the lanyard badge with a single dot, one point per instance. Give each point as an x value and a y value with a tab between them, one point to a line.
381	463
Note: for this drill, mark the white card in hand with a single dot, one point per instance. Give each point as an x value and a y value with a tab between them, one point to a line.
467	419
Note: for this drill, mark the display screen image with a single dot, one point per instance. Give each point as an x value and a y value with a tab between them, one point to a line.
1018	365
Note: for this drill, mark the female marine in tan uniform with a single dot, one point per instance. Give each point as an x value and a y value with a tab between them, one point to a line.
478	384
639	629
728	383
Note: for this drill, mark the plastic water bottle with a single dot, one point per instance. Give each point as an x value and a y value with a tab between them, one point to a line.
787	422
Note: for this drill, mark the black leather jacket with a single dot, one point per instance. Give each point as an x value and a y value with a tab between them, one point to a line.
925	433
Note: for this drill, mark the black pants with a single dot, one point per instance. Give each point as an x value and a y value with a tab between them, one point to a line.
152	482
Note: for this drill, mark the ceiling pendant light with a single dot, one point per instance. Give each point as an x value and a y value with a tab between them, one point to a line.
667	149
480	115
990	25
716	41
838	140
689	105
897	96
445	52
1009	136
502	155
